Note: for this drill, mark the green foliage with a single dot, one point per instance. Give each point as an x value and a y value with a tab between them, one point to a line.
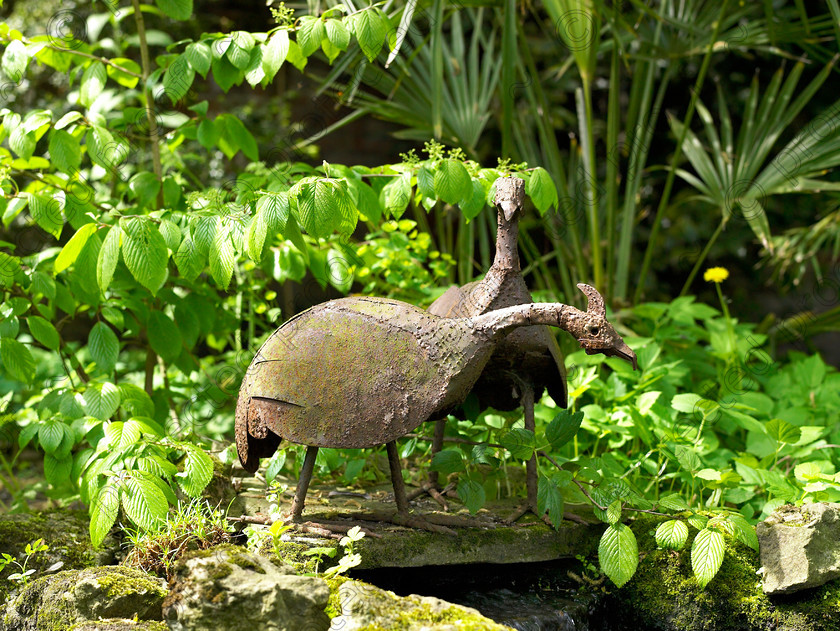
31	551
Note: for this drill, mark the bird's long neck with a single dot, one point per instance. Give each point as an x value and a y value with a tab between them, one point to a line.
507	240
501	321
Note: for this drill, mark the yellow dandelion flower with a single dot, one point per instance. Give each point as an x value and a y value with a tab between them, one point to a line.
716	274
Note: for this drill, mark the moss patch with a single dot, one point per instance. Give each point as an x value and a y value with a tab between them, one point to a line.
664	594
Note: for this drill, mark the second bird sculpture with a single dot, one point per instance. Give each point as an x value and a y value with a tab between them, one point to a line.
361	372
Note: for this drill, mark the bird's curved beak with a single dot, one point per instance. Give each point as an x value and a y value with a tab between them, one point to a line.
624	352
509	208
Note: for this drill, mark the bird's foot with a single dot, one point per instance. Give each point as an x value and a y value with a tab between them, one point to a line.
528	507
433	492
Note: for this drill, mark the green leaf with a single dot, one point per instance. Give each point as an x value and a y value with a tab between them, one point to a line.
337	34
144	503
67	119
225	73
520	443
782	431
239	50
744	531
50	436
222	255
70	252
144	252
47	212
396	195
44	332
135	401
471	206
309	34
324	205
9	268
199	57
673	502
189	260
707	555
271	217
452	181
109	256
171	234
472	494
145	187
164	336
57	470
671	534
370	30
198	471
541	189
618	554
233	136
176	9
101	400
21	142
208	134
17	360
104	510
274	53
15	59
613	512
93	82
447	461
65	151
563	428
103	346
550	499
120	76
178	79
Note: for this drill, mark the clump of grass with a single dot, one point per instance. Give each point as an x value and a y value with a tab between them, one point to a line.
192	526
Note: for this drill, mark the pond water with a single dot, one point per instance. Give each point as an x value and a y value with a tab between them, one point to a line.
526	596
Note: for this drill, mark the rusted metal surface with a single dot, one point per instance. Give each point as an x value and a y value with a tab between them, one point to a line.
359	372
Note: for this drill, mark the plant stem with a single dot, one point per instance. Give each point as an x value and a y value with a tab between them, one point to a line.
701	258
672	169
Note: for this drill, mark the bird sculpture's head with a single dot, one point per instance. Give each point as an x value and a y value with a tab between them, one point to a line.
594	332
510	191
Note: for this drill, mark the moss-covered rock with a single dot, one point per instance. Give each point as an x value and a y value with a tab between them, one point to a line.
664	595
56	602
66	534
228	588
116	624
365	607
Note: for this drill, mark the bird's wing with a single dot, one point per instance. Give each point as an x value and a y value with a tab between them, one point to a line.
451	303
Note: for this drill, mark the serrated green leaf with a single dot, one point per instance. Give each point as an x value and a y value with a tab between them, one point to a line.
338	37
782	431
234	136
472	494
145	253
198	471
121	76
225	74
57	470
176	9
618	554
698	521
271	217
164	336
14	61
309	34
44	332
519	442
541	189
274	53
673	502
144	503
178	79
47	212
50	436
550	499
324	205
189	260
396	195
671	534
93	82
707	555
65	151
472	205
171	234
17	360
613	512
370	30
103	346
744	531
136	401
452	181
563	427
101	400
109	256
67	119
9	268
22	143
145	187
447	461
239	50
130	435
222	256
199	57
103	513
70	252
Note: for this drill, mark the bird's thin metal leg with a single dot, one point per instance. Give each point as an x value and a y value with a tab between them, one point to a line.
437	445
396	477
527	401
303	482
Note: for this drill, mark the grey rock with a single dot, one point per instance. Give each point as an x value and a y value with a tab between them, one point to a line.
229	588
365	606
800	547
61	600
118	624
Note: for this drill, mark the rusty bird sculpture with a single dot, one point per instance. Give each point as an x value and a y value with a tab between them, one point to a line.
361	372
